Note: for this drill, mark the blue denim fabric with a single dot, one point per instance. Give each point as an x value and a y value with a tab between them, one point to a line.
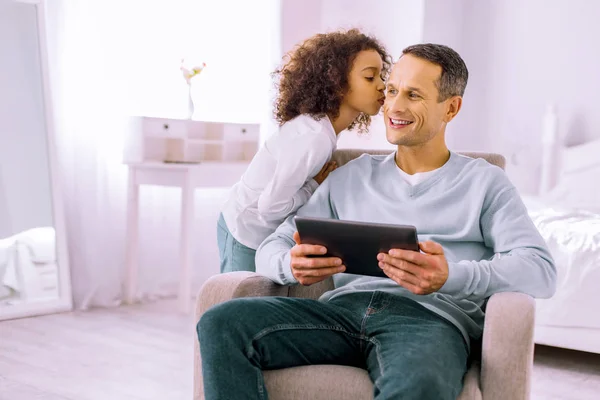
408	351
234	255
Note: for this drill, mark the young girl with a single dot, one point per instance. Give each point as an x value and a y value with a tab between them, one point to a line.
329	83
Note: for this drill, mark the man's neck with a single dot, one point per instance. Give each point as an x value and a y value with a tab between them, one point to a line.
415	159
344	119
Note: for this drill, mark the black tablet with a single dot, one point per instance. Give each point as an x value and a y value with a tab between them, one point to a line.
356	243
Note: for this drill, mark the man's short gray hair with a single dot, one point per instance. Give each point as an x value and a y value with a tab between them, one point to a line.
455	74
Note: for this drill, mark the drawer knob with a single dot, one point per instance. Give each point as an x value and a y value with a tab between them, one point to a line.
166	126
244	130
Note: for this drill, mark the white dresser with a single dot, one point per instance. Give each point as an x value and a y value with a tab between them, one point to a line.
188	154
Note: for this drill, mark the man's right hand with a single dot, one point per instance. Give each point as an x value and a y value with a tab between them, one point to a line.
310	270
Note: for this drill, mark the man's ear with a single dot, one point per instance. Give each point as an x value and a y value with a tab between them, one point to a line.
453	106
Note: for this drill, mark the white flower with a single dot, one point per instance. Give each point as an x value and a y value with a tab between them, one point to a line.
189	73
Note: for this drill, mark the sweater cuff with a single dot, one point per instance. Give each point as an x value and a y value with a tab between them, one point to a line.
311	185
285	274
458	274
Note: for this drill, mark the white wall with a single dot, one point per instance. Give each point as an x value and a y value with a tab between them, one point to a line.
521	55
25	200
541	52
397	23
299	20
444	23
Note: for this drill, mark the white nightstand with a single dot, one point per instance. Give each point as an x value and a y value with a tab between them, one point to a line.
187	154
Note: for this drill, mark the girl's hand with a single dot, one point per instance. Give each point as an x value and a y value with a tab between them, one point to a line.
327	168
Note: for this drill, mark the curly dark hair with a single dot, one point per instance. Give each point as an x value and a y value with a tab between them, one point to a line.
314	76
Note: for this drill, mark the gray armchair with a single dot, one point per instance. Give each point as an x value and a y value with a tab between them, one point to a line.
500	367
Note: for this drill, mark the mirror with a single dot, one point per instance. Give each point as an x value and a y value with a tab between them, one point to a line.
34	275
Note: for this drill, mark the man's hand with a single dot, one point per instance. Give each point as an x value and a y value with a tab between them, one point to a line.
309	270
324	172
420	273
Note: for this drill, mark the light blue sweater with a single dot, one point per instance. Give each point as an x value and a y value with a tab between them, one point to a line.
468	206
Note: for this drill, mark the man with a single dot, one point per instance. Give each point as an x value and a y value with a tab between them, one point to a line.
412	331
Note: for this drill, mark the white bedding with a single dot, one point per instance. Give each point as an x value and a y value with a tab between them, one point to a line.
573	237
28	267
568	217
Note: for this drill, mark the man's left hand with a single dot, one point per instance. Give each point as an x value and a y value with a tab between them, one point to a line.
420	273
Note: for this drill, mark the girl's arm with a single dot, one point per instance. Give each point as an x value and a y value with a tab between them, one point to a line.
292	183
273	255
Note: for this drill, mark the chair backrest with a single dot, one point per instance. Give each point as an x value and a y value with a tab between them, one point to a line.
344	156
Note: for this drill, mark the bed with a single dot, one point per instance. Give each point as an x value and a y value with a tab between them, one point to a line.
28	267
567	214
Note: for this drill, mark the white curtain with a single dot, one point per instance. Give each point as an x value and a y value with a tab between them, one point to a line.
110	59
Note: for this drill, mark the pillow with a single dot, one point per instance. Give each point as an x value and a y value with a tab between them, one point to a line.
578	190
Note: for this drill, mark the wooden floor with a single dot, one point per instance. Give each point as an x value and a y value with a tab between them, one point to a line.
145	352
135	352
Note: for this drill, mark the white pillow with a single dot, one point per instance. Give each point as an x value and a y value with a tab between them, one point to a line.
578	189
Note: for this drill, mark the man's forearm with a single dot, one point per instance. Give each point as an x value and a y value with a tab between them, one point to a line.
273	255
525	270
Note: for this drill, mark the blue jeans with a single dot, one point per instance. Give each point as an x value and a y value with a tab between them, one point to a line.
234	255
408	351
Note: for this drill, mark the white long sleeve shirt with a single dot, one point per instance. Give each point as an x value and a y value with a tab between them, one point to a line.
279	180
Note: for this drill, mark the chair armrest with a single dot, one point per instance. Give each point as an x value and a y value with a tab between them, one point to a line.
507	347
220	288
